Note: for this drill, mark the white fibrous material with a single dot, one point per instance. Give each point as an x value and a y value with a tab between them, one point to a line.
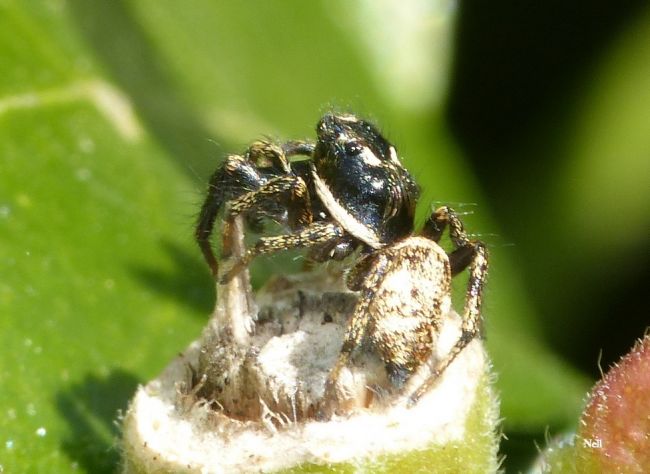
247	396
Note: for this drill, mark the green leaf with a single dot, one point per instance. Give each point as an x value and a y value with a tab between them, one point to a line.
98	270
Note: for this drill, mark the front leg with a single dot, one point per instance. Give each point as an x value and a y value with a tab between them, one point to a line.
266	154
238	175
315	234
288	191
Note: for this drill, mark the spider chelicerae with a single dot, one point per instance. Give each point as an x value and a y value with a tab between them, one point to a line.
352	193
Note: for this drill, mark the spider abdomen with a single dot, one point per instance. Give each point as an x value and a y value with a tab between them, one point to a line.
410	285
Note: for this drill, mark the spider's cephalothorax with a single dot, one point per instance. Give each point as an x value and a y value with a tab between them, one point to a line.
360	180
353	192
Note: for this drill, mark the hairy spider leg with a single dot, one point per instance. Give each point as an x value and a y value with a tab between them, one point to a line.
289	189
478	267
236	171
298	147
463	255
334	250
240	174
358	325
315	234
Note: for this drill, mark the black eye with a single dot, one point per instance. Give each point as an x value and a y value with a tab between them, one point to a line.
353	148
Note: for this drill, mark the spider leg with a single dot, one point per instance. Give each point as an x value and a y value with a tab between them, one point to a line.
315	234
357	275
236	173
461	258
293	148
478	267
266	154
239	174
444	217
288	189
357	327
334	250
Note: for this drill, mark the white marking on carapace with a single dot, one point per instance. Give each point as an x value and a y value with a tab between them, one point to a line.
342	216
393	155
342	138
348	118
377	184
369	158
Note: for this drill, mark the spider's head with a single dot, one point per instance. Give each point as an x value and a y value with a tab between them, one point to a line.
361	181
347	137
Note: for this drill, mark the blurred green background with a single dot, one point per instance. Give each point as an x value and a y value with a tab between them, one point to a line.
534	117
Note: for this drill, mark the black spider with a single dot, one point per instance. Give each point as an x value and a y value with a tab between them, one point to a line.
354	192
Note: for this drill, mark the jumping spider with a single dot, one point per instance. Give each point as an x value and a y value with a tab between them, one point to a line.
353	192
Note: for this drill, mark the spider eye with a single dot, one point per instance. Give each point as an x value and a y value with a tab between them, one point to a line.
353	148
